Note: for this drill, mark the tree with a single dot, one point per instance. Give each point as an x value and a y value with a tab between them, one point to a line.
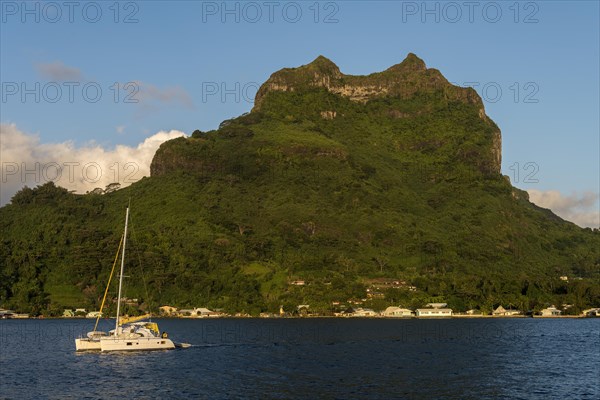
381	262
198	134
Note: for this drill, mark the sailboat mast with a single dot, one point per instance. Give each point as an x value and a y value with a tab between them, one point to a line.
121	275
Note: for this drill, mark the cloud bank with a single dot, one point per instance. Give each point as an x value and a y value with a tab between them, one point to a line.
58	71
580	208
26	161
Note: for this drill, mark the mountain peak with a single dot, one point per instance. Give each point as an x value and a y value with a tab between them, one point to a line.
317	69
322	62
405	80
410	63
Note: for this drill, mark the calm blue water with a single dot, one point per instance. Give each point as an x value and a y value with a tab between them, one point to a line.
312	359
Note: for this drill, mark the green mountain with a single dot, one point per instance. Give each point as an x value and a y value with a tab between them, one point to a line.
347	183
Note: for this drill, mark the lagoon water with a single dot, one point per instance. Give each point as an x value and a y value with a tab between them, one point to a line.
312	359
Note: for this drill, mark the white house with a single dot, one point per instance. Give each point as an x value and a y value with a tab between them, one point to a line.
394	311
502	312
68	313
204	312
93	314
198	313
591	312
185	312
433	312
364	312
551	312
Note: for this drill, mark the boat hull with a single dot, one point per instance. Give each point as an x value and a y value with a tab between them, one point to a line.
87	345
135	344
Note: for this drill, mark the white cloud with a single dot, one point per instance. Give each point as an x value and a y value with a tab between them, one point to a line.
27	161
58	71
149	95
120	129
580	208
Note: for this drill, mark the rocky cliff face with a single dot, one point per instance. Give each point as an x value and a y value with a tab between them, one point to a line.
401	80
404	80
408	91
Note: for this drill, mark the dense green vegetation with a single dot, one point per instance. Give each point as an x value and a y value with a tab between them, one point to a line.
403	186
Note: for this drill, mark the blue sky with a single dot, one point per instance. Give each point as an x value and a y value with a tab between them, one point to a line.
535	64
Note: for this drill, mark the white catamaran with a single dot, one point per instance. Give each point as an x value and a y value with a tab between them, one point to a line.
130	334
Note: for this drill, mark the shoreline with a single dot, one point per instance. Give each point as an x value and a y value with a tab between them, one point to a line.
329	317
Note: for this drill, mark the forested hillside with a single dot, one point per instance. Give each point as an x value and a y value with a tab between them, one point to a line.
332	179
